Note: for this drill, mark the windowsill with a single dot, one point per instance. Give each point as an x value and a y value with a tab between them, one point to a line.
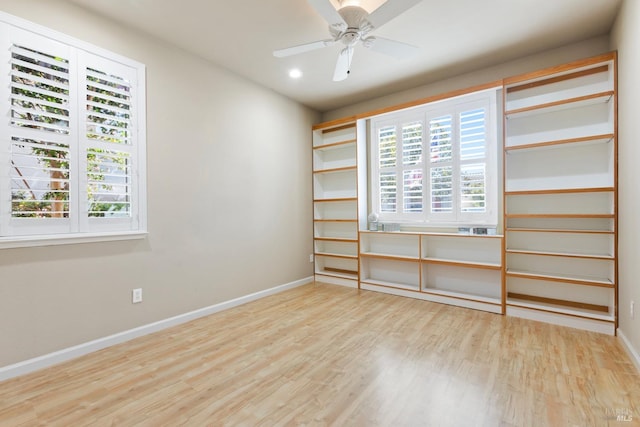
68	239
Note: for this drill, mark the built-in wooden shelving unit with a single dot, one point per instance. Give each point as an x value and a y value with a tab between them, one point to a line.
560	210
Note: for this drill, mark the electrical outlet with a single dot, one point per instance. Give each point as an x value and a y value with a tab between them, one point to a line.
631	309
311	258
136	295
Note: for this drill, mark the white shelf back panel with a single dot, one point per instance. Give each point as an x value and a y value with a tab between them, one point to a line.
471	281
332	137
573	268
390	244
335	157
586	166
462	248
335	185
336	210
588	120
343	230
338	248
586	224
562	291
573	243
600	202
403	273
565	89
325	264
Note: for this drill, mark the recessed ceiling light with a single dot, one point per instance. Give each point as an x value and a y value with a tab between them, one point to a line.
295	73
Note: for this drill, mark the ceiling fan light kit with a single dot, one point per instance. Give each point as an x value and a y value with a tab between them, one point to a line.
352	24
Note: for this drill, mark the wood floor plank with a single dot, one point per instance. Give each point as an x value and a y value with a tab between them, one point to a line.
322	355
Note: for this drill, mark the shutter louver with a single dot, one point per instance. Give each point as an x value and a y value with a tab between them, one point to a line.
387	147
472	135
109	181
412	143
388	192
441	140
39	179
473	188
473	196
39	127
108	108
109	146
39	91
442	189
412	195
387	155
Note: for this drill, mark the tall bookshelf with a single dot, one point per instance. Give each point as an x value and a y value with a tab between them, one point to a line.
560	194
335	203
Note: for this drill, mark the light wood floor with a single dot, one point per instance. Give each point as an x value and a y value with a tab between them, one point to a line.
326	355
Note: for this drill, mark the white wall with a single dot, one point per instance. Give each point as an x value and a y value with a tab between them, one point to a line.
548	58
624	38
229	199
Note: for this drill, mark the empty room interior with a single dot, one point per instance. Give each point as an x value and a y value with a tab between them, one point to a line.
319	212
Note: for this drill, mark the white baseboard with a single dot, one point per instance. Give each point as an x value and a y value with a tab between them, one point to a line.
31	365
633	353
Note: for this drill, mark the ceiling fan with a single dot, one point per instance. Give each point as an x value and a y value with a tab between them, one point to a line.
351	24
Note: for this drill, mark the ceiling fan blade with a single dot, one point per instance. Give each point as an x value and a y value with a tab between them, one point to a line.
389	10
343	66
294	50
389	47
326	9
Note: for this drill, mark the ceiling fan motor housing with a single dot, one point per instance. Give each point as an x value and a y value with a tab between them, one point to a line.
357	24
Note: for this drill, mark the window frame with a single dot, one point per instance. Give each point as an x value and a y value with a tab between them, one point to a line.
78	229
486	98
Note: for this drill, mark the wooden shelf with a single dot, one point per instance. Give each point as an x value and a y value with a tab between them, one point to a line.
389	256
556	78
336	199
575	280
335	220
335	145
333	170
560	254
336	239
560	191
559	302
465	264
559	230
581	101
461	296
337	272
336	125
560	216
336	255
415	288
594	139
559	309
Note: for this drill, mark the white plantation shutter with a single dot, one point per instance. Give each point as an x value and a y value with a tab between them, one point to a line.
36	188
110	144
437	164
412	158
398	162
473	153
441	164
387	162
71	147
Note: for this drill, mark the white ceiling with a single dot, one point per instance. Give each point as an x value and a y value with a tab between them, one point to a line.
454	36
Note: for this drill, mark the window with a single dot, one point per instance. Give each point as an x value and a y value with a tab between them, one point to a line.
72	153
437	163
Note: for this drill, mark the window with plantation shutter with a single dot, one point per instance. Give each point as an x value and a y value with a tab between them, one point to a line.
72	149
39	104
437	163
